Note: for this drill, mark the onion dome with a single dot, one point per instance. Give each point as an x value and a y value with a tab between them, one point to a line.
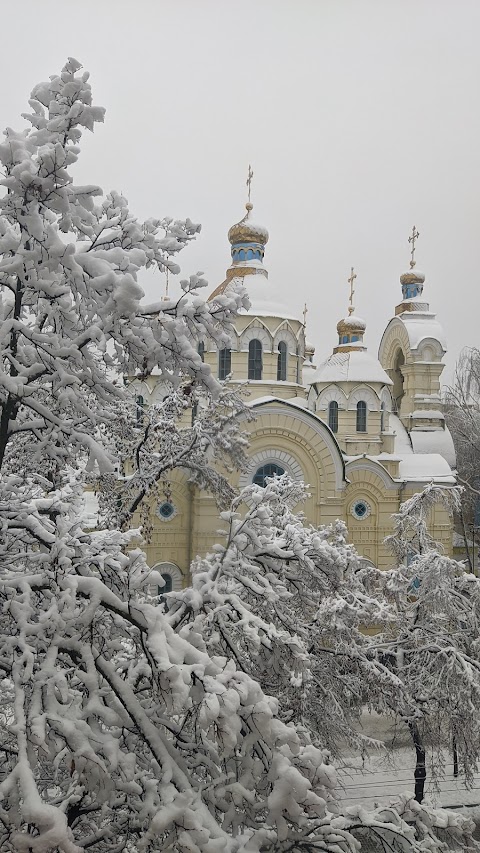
247	239
412	282
350	329
351	325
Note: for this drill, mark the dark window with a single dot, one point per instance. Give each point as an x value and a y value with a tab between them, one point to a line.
268	470
361	416
382	417
282	362
224	363
201	350
255	364
140	409
333	415
162	590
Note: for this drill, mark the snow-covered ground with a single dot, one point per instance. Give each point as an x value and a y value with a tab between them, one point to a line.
380	779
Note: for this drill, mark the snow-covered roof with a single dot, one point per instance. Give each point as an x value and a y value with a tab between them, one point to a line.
264	300
434	441
421	325
353	320
428	413
402	442
423	467
354	366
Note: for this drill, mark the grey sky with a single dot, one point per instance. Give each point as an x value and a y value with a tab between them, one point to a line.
360	118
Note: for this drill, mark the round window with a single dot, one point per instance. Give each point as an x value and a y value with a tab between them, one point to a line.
361	509
166	511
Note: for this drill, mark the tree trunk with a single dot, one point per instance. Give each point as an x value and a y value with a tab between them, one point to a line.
465	536
455	757
420	774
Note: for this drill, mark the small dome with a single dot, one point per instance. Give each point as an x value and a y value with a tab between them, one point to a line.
413	276
248	231
351	324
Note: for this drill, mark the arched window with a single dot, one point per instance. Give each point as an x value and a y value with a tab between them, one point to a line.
382	417
282	362
140	410
268	470
167	587
333	415
201	350
255	363
361	416
224	362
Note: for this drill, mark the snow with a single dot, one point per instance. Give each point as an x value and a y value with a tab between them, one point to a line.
428	413
423	467
403	445
352	320
89	517
352	366
264	300
434	441
421	325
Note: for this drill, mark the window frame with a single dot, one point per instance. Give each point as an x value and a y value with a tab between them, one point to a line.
333	415
279	472
361	424
282	362
224	362
255	360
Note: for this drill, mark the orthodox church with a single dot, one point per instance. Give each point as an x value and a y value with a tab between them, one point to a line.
365	431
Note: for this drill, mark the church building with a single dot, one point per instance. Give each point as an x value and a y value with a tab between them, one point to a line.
364	431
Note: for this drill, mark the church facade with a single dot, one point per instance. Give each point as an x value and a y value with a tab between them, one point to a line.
365	432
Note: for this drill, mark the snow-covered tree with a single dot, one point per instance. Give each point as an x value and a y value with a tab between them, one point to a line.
121	727
433	646
463	419
290	603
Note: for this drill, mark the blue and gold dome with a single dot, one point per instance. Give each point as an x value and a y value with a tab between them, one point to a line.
247	239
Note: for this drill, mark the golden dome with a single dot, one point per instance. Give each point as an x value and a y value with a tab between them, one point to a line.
412	277
247	231
351	325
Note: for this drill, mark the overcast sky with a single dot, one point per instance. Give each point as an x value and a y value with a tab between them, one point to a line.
360	118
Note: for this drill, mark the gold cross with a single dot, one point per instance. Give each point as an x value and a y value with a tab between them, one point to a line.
305	312
249	181
350	280
411	240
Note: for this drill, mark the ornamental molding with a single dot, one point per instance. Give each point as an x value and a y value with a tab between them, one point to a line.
276	456
310	419
172	515
354	509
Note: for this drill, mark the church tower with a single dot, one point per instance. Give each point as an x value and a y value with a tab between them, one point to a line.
350	390
411	352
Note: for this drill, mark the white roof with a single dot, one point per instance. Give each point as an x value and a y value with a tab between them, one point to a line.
434	441
421	325
354	366
263	298
424	467
402	442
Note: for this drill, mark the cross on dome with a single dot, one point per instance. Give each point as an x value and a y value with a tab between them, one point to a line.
249	181
414	236
353	276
